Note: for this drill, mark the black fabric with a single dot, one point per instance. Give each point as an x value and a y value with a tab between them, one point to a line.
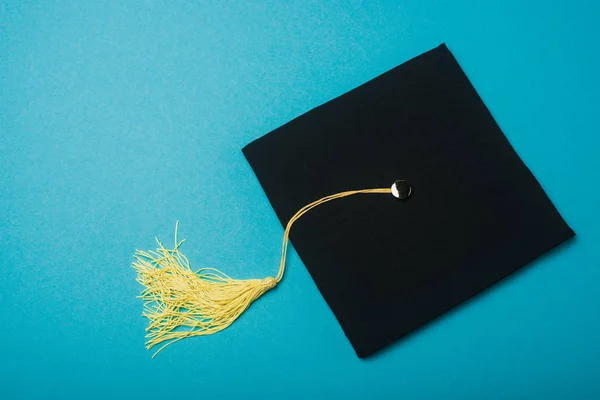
386	267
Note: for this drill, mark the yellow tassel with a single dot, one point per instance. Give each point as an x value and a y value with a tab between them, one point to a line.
181	303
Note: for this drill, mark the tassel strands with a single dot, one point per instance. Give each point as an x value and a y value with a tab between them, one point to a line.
181	303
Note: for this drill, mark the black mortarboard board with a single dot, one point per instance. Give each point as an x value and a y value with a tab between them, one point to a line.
470	212
476	214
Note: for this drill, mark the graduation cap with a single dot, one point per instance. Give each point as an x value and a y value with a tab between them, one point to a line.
405	198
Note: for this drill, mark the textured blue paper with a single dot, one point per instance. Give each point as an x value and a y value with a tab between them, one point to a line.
118	118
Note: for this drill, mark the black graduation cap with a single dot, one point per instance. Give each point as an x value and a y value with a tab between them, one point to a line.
444	208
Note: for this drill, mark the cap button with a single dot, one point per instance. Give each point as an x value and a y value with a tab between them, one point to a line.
401	189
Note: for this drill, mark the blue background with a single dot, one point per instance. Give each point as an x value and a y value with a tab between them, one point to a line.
118	118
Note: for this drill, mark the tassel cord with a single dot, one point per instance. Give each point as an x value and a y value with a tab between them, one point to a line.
309	207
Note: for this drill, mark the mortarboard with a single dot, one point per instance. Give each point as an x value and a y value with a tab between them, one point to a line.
406	200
